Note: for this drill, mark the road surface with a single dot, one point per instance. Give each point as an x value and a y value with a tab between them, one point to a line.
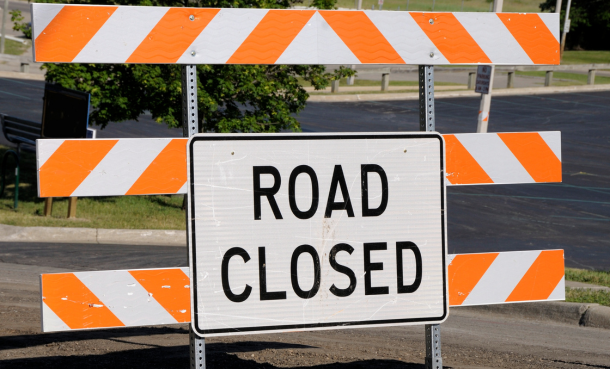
573	215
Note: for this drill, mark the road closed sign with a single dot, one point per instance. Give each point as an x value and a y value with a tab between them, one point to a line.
316	231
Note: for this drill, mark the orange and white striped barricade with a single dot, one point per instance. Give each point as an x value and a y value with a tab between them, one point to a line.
146	166
131	298
126	34
189	36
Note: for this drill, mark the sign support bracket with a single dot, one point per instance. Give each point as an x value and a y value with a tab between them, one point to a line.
190	127
427	123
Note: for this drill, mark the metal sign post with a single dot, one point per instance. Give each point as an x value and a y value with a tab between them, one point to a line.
483	119
427	123
190	127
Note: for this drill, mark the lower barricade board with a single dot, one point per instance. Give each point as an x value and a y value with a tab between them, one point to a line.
130	298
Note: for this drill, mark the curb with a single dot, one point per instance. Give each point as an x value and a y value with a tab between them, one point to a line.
586	315
20	75
573	313
450	94
93	235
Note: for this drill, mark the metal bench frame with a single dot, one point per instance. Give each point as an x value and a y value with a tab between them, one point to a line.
21	132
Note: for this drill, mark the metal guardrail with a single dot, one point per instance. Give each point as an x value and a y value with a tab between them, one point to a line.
591	70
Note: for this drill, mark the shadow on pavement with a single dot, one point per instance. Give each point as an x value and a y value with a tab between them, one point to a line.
218	357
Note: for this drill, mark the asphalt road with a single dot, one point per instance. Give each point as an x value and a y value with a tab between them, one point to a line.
573	215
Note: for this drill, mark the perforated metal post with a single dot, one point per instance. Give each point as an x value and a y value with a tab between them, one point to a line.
427	124
426	98
189	100
434	360
197	347
190	127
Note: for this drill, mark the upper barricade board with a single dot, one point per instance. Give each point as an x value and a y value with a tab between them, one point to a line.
162	35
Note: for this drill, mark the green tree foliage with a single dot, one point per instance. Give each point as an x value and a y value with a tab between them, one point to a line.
590	23
19	24
231	98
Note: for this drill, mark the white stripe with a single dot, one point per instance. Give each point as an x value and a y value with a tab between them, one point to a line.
553	139
495	158
45	148
559	293
120	292
110	44
331	49
50	321
494	38
501	278
552	23
304	48
406	37
121	167
182	190
223	36
42	15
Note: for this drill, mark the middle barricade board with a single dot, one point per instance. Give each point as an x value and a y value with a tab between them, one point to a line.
312	231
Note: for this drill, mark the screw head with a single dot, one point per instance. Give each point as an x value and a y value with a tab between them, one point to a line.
232	152
431	21
192	17
432	54
193	53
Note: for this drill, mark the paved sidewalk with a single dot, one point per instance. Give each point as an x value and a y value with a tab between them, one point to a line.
149	237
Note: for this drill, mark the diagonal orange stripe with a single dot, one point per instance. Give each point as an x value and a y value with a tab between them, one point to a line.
465	271
461	166
533	35
541	278
450	37
170	287
174	33
166	174
361	36
534	154
271	37
70	164
75	304
69	32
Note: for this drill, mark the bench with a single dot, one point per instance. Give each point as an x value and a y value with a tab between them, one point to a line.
21	131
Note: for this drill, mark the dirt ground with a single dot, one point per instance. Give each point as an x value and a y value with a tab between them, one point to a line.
22	345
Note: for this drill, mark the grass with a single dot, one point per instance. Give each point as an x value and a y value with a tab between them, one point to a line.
583	295
567	79
15	48
587	296
586	57
122	212
599	278
445	5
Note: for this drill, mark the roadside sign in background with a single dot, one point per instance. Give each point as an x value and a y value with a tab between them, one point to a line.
293	232
65	113
483	78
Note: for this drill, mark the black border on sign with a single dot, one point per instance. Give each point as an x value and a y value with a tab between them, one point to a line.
284	137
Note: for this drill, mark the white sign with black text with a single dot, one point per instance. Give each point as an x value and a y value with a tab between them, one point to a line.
316	231
483	79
